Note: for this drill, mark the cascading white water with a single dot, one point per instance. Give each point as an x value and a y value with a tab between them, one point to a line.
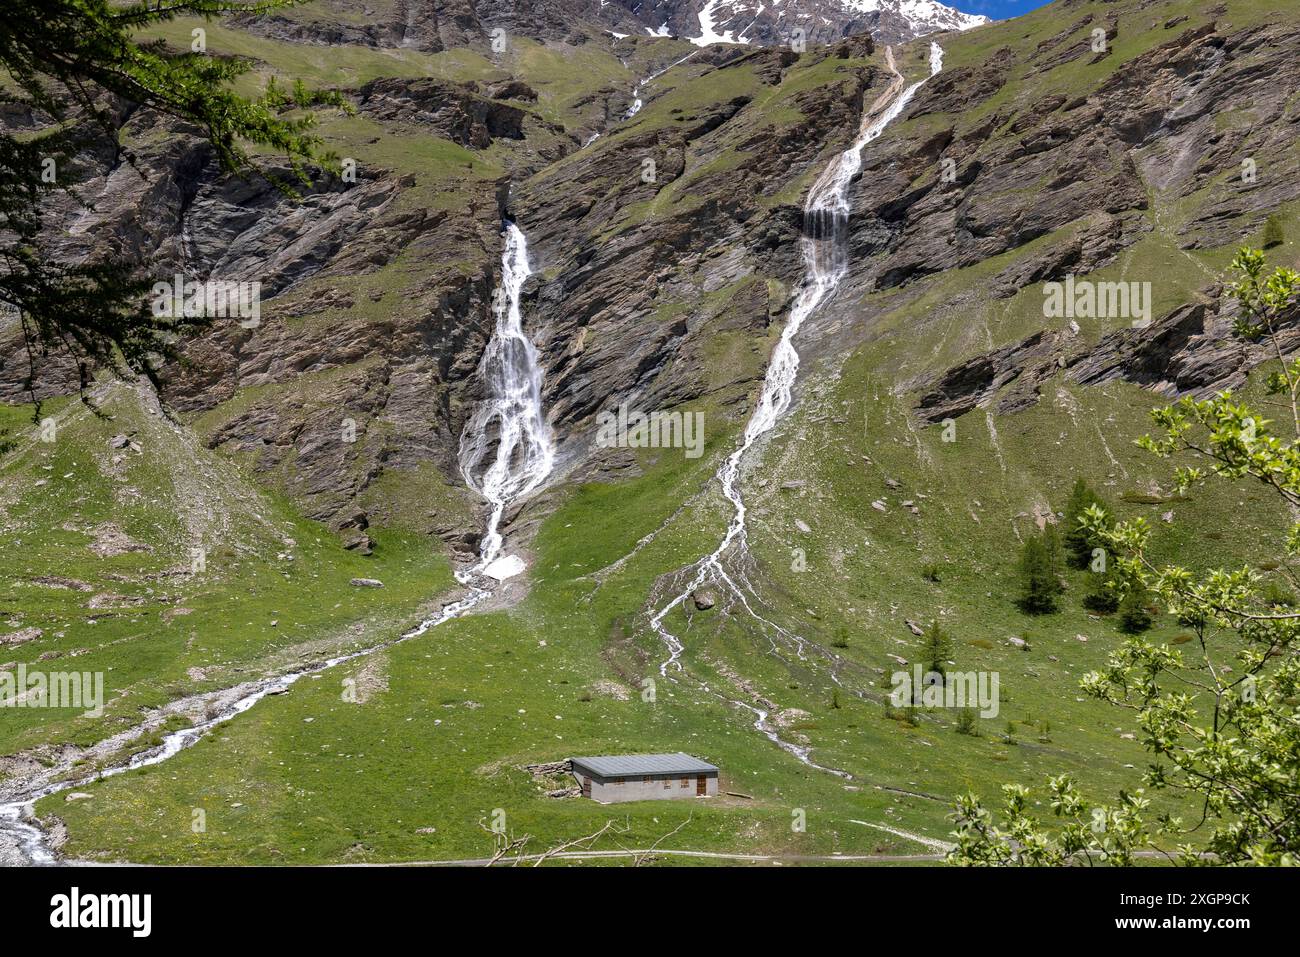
637	102
825	255
508	427
507	431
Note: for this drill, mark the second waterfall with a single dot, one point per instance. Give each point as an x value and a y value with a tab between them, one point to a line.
825	255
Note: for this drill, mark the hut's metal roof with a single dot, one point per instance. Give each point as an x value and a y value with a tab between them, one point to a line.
620	765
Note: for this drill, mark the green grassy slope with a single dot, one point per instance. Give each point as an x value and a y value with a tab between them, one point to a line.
435	743
97	554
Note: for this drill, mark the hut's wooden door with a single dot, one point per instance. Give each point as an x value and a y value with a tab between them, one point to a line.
701	785
586	786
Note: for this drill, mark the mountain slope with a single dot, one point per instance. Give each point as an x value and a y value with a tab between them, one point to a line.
668	293
816	21
433	26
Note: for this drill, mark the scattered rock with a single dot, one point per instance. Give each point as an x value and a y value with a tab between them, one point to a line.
110	600
514	90
878	505
21	636
792	486
800	524
915	628
358	541
549	767
612	689
79	796
1017	642
704	599
111	540
55	581
367	583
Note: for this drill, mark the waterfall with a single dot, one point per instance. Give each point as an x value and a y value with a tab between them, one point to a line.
825	256
637	102
506	449
506	452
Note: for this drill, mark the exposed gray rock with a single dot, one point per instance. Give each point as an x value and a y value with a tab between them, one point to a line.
21	636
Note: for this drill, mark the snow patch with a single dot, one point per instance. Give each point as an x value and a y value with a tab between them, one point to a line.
707	34
507	566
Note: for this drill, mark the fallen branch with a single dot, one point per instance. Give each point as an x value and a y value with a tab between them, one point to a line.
583	842
640	859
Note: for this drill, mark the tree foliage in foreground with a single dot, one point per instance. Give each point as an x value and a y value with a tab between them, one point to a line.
74	63
1221	718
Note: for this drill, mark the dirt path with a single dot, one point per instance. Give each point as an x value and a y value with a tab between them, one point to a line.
660	852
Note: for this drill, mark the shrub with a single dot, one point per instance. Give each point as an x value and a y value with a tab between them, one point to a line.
1102	596
1134	615
968	723
1273	234
1275	593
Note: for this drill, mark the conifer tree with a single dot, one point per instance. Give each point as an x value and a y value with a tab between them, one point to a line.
936	649
1040	584
72	63
1079	540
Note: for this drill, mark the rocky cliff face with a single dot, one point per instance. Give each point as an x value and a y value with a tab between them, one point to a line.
665	250
812	21
428	26
637	299
432	26
1153	128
